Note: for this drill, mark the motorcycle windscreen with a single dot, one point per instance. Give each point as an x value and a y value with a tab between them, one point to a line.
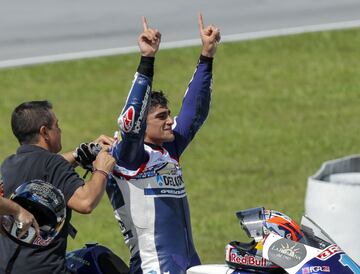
314	235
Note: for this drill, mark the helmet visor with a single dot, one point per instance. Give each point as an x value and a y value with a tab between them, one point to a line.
252	222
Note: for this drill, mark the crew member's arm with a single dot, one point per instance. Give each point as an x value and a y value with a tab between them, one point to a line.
130	153
196	102
86	197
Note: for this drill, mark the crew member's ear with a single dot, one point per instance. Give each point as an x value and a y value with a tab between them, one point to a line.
44	133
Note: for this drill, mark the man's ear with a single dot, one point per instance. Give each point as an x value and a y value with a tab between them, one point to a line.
44	133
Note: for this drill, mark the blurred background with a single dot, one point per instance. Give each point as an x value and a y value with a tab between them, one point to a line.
49	27
281	105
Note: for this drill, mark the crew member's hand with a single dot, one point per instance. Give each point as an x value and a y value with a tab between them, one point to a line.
104	161
24	220
104	140
210	38
149	40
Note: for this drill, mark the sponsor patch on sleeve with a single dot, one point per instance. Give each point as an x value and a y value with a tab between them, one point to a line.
126	120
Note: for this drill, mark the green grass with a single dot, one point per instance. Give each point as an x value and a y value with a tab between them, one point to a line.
280	107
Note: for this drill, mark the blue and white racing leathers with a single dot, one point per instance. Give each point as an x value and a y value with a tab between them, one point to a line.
147	190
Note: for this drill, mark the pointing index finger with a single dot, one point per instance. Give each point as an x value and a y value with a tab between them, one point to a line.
145	23
200	22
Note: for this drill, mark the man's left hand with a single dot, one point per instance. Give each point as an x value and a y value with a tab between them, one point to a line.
210	37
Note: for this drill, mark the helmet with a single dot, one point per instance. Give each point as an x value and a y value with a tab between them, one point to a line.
282	225
47	204
258	223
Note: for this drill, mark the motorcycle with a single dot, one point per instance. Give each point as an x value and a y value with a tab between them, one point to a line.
278	245
281	246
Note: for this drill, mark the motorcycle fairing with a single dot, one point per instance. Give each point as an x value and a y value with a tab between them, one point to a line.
299	258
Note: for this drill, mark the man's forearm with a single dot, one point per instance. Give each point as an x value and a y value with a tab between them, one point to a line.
132	121
8	207
95	188
88	196
69	156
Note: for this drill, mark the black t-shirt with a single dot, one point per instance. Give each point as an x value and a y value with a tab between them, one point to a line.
33	162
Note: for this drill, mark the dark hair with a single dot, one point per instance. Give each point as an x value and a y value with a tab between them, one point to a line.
158	98
27	119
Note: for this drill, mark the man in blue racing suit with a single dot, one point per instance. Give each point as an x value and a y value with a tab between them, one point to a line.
147	190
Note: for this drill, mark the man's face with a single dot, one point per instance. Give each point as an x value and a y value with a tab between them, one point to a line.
54	132
159	126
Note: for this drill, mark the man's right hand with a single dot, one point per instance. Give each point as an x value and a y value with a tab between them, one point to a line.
24	220
104	161
149	40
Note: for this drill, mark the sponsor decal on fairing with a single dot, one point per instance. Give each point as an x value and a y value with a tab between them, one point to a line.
234	257
329	252
316	269
286	253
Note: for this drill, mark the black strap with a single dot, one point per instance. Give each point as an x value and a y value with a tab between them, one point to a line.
11	262
72	230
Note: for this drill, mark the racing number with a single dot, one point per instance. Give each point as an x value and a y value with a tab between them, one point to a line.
346	261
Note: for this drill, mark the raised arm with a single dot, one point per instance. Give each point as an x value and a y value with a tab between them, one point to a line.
196	102
130	153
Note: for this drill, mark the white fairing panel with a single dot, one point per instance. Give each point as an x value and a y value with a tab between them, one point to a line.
333	200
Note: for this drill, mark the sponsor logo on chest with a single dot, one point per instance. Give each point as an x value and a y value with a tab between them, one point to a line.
169	175
170	180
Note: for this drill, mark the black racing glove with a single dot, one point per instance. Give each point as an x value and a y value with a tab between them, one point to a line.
85	154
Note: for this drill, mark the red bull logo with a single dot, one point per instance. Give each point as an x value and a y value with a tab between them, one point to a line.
247	260
42	242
